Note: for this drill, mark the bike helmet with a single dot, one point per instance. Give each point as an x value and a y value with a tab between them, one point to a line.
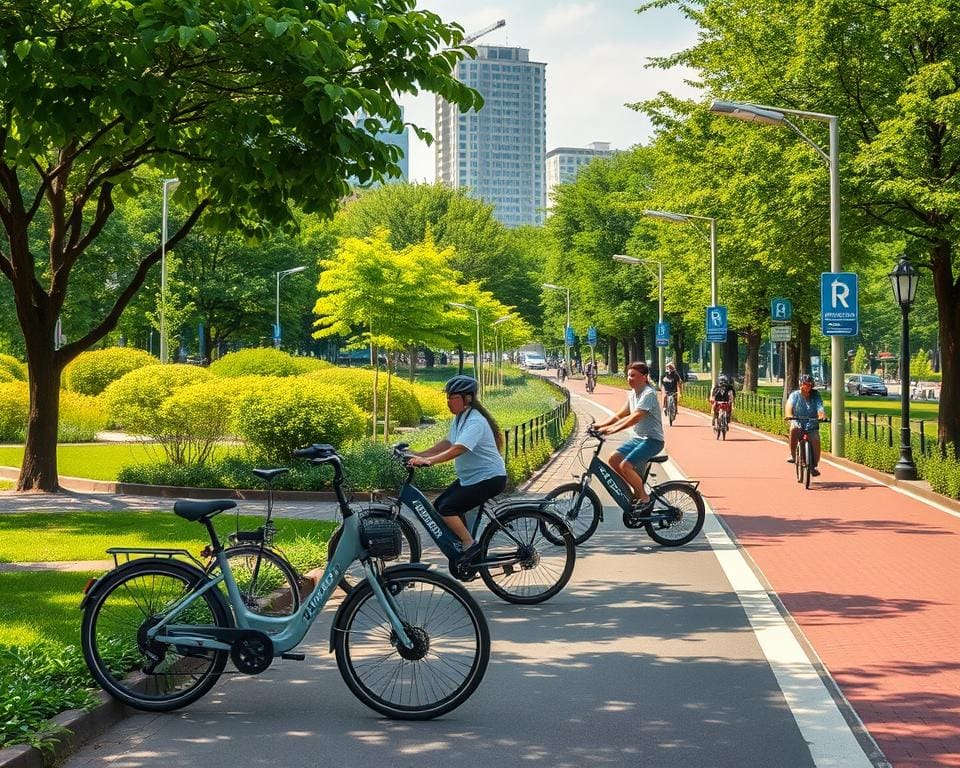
722	379
806	378
461	385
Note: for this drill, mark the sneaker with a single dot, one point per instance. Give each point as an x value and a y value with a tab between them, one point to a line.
791	460
642	507
815	472
469	554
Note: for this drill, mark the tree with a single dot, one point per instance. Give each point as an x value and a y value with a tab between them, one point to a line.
249	104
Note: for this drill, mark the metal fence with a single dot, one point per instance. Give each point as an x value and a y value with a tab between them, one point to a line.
547	426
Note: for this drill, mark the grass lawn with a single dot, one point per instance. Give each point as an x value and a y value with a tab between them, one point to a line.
97	461
41	607
49	536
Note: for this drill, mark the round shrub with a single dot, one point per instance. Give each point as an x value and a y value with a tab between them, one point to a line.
264	361
17	370
134	400
404	406
81	417
432	401
14	409
5	376
192	420
274	420
91	372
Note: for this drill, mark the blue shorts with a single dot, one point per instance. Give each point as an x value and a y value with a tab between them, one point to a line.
638	450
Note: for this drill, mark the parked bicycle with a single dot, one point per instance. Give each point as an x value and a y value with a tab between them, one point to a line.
722	421
157	631
527	552
803	453
674	519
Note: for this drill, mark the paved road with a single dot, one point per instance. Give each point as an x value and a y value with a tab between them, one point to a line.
648	658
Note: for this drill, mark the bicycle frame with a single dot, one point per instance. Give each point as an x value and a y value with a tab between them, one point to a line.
286	632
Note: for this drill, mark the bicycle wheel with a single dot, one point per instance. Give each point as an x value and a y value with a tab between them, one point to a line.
533	567
672	407
447	662
807	462
410	548
582	519
798	460
269	585
688	510
724	424
716	425
117	614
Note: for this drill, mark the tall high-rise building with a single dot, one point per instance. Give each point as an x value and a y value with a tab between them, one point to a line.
564	163
497	153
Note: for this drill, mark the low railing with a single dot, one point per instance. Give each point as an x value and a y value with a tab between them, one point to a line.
547	426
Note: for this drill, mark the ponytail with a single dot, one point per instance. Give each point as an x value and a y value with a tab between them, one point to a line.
497	434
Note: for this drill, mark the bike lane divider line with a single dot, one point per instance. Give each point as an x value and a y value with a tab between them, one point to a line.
828	733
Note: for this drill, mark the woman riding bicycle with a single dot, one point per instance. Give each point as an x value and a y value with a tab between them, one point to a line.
805	407
474	443
671	384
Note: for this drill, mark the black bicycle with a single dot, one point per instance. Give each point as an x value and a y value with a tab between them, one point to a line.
722	421
803	453
674	519
671	409
527	551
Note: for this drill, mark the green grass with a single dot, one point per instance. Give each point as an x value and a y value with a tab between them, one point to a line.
41	607
55	536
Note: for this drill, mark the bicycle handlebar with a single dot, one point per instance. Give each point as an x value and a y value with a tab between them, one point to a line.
316	451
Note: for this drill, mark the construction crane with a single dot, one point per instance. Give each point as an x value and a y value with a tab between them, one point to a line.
486	30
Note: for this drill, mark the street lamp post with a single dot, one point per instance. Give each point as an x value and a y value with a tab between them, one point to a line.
476	354
632	260
904	279
498	362
778	116
280	275
553	287
169	185
688	218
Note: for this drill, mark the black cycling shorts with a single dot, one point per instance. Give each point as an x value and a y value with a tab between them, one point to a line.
460	499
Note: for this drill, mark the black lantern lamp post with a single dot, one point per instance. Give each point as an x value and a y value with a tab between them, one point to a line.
904	279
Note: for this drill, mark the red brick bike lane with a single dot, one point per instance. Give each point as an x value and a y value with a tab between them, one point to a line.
870	575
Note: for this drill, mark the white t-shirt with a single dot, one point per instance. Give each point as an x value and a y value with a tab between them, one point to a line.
481	460
650	425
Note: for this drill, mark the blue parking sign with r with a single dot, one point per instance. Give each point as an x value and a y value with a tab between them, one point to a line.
569	336
839	304
592	336
716	323
781	310
663	334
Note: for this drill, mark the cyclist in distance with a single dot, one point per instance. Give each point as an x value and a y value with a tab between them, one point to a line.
591	372
805	403
641	414
671	384
722	393
474	442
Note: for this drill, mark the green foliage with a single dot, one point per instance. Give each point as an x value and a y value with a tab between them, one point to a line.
861	361
90	372
14	409
14	368
276	420
81	417
405	408
134	400
920	367
264	361
192	419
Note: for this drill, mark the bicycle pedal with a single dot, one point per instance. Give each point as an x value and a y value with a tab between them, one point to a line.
293	656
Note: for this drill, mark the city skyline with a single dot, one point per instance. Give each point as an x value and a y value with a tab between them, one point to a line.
595	54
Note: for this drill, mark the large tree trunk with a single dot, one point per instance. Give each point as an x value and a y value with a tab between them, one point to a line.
948	302
413	361
751	366
679	344
460	359
627	352
429	358
39	470
731	355
791	368
803	346
612	362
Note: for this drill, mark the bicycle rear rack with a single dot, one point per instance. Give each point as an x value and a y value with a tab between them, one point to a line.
131	554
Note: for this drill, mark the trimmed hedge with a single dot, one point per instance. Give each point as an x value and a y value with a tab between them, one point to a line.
264	361
134	400
81	417
405	408
91	372
10	366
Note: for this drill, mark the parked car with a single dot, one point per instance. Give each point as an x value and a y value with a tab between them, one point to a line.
691	376
535	362
864	384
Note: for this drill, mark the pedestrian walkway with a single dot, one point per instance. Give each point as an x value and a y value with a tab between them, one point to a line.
870	575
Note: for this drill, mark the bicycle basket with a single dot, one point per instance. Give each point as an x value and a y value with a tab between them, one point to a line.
381	537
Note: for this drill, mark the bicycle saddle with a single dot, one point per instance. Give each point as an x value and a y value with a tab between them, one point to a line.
269	474
197	510
658	459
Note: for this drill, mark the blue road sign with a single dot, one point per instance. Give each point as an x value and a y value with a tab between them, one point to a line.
839	304
592	336
569	336
663	334
781	310
716	323
276	332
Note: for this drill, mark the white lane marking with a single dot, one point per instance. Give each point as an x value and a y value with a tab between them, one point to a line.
829	737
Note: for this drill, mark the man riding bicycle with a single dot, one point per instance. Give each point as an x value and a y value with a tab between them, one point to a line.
591	373
722	396
671	384
805	405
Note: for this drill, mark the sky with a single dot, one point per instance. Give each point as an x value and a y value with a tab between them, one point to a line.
595	51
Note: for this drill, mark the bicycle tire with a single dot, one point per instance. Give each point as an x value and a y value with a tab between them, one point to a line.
537	530
807	462
692	511
453	634
798	460
269	585
672	409
116	611
410	550
582	521
725	425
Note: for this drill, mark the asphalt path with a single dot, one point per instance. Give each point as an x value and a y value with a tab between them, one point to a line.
649	657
